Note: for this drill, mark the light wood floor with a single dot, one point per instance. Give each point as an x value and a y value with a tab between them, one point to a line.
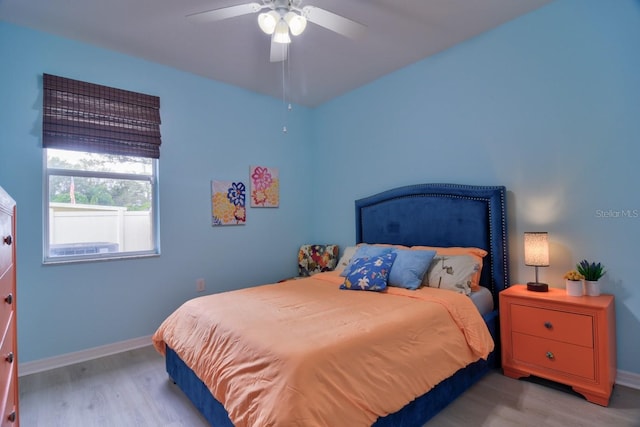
132	389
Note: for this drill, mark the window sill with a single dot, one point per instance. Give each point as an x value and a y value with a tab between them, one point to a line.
116	257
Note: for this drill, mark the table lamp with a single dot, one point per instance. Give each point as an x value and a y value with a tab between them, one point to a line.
536	254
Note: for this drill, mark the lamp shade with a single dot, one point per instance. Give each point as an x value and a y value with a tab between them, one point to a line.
536	249
267	21
297	23
281	34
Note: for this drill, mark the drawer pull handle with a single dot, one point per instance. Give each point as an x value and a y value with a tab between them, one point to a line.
550	355
12	417
9	299
548	325
9	357
8	240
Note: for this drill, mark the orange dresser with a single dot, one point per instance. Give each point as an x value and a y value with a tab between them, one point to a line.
570	340
8	348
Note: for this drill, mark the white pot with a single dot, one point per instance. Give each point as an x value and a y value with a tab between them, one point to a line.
592	288
574	288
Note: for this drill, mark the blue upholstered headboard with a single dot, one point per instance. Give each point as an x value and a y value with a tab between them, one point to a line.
441	215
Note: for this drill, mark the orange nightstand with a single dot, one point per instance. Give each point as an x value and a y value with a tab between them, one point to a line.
570	340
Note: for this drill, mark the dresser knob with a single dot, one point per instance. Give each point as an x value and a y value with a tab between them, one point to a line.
548	325
8	240
9	299
12	417
550	355
9	357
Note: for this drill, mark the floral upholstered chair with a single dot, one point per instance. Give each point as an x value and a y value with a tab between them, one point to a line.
314	259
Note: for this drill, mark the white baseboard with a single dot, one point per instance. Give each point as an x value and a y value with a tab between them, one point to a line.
67	359
628	379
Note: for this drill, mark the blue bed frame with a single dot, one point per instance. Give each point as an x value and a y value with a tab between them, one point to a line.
426	214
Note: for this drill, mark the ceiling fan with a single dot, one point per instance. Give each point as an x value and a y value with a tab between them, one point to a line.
279	18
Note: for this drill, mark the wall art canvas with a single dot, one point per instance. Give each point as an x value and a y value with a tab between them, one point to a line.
265	187
228	203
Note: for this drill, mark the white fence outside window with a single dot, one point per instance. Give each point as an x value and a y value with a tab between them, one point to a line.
104	226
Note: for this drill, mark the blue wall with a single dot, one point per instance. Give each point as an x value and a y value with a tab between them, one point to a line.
547	105
209	131
544	105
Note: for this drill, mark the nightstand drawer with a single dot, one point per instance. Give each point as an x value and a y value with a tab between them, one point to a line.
558	356
552	324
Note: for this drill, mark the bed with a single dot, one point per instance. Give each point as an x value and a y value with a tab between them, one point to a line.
434	215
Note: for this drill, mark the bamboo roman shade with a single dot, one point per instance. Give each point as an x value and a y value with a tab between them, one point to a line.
89	117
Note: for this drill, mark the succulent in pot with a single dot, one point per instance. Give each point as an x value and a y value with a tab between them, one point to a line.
590	270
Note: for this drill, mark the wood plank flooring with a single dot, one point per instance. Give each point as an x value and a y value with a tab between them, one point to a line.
131	389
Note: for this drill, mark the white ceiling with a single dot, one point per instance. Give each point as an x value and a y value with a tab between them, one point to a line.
322	64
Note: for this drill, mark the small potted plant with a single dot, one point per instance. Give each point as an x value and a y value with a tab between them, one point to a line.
573	283
592	272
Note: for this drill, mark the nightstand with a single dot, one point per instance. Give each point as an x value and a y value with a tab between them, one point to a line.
570	340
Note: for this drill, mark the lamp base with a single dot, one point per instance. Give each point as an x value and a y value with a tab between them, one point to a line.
537	287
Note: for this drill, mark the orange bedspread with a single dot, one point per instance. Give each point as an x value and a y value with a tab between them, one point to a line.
304	353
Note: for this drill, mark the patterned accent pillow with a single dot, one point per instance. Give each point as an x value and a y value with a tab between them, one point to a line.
453	272
314	259
369	273
365	251
477	254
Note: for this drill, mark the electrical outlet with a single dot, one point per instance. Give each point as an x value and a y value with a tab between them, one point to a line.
200	285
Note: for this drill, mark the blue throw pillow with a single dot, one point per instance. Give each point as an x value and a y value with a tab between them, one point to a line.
369	273
410	267
365	251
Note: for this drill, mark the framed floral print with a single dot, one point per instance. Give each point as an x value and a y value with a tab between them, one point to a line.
265	187
228	203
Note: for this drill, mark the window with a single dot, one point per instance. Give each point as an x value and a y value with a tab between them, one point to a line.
101	161
99	205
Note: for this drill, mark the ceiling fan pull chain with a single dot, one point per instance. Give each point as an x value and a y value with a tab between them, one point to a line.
284	97
289	107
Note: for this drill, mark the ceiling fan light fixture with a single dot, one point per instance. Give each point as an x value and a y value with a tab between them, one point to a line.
281	34
297	23
268	21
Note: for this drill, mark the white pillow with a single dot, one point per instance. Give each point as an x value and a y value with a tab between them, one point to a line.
348	253
453	272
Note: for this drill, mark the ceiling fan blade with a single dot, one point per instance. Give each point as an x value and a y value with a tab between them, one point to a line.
225	12
278	51
333	22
